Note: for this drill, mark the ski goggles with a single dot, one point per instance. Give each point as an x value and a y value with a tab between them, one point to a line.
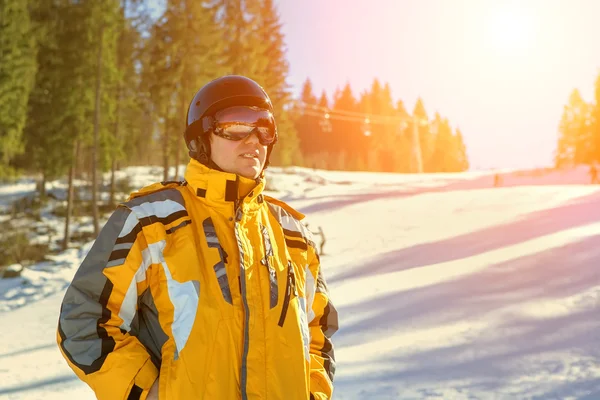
237	123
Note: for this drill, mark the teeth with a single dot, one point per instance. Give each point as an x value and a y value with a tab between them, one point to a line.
249	155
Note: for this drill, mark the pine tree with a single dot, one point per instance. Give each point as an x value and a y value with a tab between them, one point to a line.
199	48
461	159
238	54
270	68
347	135
306	124
44	106
325	129
126	130
268	47
443	156
388	136
323	100
420	138
370	105
182	55
595	120
17	76
103	27
403	150
135	123
157	82
61	105
575	133
65	100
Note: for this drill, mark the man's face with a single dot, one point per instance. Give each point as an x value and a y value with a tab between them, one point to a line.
244	157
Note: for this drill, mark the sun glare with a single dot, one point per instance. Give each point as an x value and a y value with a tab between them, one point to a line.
510	28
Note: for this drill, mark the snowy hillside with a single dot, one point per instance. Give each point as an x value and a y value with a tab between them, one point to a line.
446	287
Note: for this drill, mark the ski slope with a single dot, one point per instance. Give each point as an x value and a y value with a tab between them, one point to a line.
446	287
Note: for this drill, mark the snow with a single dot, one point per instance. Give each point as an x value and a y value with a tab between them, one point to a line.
446	287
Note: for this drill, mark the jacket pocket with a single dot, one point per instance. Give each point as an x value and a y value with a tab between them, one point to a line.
220	270
290	288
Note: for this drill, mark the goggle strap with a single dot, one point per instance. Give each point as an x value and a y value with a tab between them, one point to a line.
208	124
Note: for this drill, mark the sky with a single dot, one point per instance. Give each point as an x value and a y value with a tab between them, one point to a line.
476	292
501	71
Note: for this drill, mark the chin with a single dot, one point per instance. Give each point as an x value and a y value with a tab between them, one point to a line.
249	173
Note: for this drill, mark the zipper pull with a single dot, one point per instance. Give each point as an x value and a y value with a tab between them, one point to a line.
288	294
289	287
292	277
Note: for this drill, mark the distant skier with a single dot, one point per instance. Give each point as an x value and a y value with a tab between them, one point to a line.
323	240
205	288
593	174
497	180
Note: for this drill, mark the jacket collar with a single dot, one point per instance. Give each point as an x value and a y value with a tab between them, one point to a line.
224	189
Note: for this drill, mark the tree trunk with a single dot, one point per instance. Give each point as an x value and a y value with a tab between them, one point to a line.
96	136
70	196
113	166
183	107
416	147
177	160
42	186
113	185
166	147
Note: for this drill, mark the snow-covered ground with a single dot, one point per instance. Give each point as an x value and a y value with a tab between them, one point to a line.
446	287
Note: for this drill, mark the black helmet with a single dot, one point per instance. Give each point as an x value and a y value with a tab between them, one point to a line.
223	92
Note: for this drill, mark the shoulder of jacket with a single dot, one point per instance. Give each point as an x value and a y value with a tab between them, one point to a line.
293	212
290	219
155	187
164	198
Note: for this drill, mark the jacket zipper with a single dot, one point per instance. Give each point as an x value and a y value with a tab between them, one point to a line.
246	344
288	293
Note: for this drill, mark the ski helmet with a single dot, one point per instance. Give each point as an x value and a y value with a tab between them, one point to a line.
223	92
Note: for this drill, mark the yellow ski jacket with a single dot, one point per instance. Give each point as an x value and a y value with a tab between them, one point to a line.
207	284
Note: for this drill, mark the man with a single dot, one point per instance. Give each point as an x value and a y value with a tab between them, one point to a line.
206	288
